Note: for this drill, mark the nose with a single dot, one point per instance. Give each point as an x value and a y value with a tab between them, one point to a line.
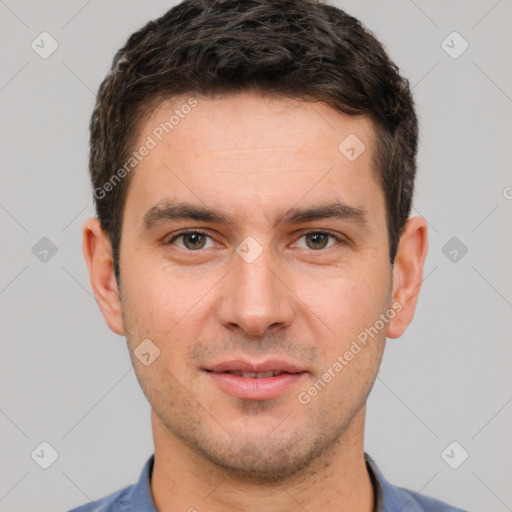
255	296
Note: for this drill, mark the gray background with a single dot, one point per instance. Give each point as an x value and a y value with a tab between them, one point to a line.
67	380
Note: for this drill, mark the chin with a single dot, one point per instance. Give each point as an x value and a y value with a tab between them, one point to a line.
264	460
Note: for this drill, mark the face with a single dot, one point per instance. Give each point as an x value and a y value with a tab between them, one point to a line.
254	254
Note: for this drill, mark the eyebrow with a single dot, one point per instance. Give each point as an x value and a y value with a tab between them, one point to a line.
166	211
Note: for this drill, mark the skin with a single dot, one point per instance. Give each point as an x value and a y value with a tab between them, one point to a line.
301	300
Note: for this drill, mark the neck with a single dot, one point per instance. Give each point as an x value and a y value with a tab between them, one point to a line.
338	480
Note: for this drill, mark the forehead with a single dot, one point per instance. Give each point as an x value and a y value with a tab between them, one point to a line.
264	123
250	151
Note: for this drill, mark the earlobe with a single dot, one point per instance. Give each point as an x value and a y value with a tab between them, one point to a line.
98	257
408	273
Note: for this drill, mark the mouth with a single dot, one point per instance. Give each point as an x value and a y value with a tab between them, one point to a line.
255	381
255	375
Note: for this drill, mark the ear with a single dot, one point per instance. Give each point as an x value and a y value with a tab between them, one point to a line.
408	274
100	264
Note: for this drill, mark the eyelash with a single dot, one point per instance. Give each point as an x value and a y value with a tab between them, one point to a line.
195	231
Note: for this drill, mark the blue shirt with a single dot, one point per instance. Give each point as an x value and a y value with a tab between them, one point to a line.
138	498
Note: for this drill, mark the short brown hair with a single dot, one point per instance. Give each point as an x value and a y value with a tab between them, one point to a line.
301	49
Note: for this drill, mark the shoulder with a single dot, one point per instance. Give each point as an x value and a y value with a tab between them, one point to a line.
413	502
390	498
136	497
114	502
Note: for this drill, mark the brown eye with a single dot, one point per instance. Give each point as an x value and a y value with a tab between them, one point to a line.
318	240
191	240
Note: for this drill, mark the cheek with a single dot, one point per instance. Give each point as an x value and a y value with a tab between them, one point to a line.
353	348
155	293
150	308
345	304
165	306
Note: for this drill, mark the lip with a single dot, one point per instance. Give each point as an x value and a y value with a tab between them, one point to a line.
253	388
264	366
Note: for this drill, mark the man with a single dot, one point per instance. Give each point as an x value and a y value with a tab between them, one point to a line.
253	166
